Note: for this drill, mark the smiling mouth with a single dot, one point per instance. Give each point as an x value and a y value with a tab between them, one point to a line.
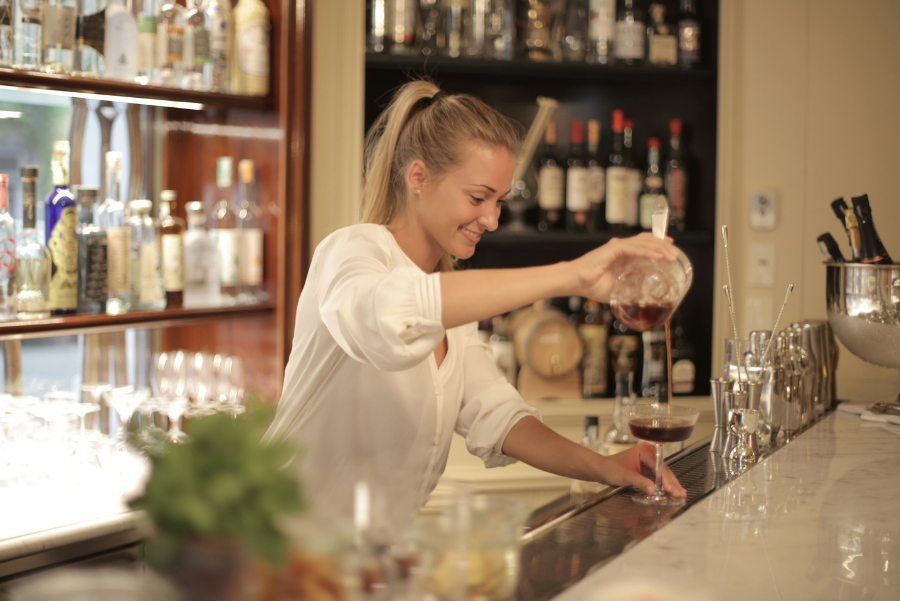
472	236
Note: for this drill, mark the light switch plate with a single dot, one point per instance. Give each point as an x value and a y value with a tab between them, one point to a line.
762	210
761	264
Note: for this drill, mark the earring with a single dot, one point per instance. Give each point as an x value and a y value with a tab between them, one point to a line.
418	191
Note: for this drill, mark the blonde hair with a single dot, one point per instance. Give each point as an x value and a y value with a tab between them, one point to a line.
435	132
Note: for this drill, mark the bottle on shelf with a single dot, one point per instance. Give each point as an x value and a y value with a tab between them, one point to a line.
250	256
90	27
92	253
401	25
224	231
250	62
684	370
601	31
28	33
60	225
653	183
654	379
170	44
201	262
499	31
575	34
551	183
578	204
221	33
197	64
32	257
376	40
473	29
662	43
58	35
120	42
146	277
593	327
7	254
635	177
171	238
676	178
631	33
624	347
688	35
112	219
617	178
596	180
871	248
829	247
148	32
591	441
7	34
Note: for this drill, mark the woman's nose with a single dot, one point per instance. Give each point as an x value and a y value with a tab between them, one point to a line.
490	217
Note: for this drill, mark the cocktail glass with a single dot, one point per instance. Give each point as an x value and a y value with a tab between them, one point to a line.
647	292
125	400
655	424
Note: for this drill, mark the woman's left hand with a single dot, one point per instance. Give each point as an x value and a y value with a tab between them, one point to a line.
625	469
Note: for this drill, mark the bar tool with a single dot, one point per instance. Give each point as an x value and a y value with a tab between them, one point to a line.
809	338
734	399
792	422
802	364
717	445
753	401
744	421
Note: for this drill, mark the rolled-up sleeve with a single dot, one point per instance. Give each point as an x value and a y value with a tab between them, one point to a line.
390	318
491	406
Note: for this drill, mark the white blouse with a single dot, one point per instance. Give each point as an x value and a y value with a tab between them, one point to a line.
363	395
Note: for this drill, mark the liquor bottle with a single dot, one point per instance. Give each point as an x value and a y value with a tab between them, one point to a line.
402	25
120	42
591	441
539	41
58	35
250	63
250	256
60	225
684	370
201	262
676	178
225	233
7	34
499	31
221	32
197	65
504	351
617	178
596	180
653	376
32	257
635	177
631	33
148	32
90	28
829	247
653	183
473	28
594	330
601	31
575	35
551	183
376	40
7	254
662	43
92	258
146	277
578	204
111	218
28	32
871	248
688	35
170	44
171	235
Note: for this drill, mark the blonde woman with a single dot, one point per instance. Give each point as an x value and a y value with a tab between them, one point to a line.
386	362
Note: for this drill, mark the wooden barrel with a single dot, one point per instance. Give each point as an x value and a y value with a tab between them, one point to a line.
548	343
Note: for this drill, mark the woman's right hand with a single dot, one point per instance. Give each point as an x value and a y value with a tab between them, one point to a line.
597	270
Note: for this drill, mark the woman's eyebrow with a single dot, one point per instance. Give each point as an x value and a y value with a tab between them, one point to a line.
485	186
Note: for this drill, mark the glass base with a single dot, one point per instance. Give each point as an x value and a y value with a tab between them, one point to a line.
658	500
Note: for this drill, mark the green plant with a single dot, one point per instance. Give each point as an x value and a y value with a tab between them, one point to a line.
224	484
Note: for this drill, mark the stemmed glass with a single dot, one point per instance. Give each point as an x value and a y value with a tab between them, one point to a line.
125	400
230	386
655	423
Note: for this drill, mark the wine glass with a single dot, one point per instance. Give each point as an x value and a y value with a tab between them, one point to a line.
660	424
125	400
230	384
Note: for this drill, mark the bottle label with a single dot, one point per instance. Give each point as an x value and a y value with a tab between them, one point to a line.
623	351
663	49
551	188
174	44
647	203
602	20
95	269
251	257
63	245
689	40
676	186
594	360
617	194
147	43
173	262
630	39
253	49
227	243
218	43
93	30
200	46
596	185
634	187
683	374
117	254
577	190
59	27
151	288
121	45
197	262
7	258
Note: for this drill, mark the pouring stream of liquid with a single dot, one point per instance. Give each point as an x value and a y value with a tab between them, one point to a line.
659	220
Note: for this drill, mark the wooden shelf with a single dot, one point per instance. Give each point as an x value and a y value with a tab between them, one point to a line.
524	68
81	324
63	84
532	239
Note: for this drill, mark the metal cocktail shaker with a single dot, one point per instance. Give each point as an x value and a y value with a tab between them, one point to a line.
717	445
810	340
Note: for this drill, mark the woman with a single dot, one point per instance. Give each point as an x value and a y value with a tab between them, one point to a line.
386	361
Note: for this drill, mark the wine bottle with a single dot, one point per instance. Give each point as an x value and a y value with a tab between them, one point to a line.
551	183
871	248
596	179
635	178
676	178
577	203
617	178
684	370
60	223
653	183
830	248
688	35
852	224
653	379
631	33
594	330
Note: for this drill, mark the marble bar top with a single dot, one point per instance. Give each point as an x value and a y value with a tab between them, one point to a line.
819	519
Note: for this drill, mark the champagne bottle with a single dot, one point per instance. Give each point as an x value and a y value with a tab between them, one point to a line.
871	248
829	247
839	206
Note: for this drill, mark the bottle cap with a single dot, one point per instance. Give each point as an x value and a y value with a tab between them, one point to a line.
550	133
141	206
653	143
114	160
224	172
593	131
577	132
247	169
839	206
629	124
168	196
4	191
675	127
86	194
860	202
591	420
29	171
618	118
194	207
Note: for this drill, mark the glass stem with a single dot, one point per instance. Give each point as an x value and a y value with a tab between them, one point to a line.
659	469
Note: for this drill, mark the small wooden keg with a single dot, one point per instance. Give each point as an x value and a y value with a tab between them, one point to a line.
549	350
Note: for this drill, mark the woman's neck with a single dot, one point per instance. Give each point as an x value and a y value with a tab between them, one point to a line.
424	251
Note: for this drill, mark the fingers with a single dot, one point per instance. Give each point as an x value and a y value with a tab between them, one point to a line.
638	481
671	484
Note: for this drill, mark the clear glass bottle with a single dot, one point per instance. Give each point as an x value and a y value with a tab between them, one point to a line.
60	225
170	44
575	35
224	231
250	59
120	42
7	34
601	31
28	32
148	26
146	277
171	236
250	255
631	33
58	36
201	262
624	348
591	441
111	217
90	27
499	30
92	259
7	254
662	44
197	65
402	24
32	257
221	35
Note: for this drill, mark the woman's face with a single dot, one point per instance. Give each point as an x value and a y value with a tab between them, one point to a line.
458	208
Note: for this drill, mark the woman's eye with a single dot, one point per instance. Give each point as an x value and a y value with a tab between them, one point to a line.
477	200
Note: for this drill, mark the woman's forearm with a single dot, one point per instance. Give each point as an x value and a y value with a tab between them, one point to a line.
531	442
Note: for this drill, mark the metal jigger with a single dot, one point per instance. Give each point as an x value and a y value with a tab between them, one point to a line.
753	398
745	422
717	445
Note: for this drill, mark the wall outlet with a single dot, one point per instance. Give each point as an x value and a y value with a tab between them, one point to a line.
761	264
762	210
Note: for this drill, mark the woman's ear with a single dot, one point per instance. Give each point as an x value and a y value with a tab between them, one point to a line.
415	176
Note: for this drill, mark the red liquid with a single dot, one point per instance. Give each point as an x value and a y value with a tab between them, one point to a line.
643	318
661	429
